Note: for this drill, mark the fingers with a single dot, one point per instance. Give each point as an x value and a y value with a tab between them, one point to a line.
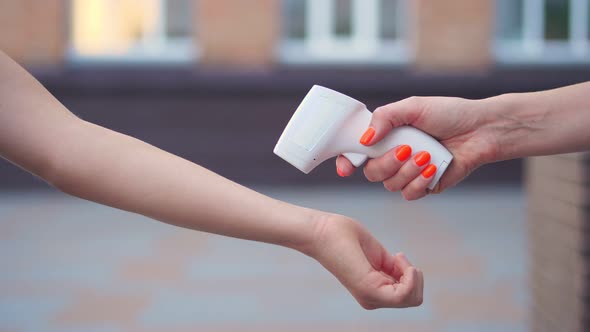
397	171
380	168
416	297
409	171
416	189
406	292
411	284
420	290
386	166
344	167
390	116
394	265
401	261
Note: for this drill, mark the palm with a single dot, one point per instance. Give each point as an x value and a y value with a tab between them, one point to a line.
446	118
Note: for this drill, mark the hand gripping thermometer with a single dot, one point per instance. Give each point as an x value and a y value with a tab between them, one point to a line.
328	123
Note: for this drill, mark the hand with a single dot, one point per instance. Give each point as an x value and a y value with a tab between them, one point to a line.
459	124
374	277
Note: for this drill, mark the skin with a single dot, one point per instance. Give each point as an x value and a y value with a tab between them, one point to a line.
79	158
478	132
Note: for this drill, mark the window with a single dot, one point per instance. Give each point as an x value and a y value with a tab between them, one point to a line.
344	31
550	31
131	30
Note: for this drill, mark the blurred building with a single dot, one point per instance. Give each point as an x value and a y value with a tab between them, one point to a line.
457	35
215	81
107	59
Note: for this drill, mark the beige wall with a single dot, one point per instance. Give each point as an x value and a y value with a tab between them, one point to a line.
452	35
238	33
33	32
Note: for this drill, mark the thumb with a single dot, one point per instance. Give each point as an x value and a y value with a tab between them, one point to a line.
385	118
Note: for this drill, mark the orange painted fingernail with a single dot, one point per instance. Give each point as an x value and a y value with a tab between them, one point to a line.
368	136
422	158
340	172
429	171
403	152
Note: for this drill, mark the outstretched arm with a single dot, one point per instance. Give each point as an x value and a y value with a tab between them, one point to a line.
85	160
82	159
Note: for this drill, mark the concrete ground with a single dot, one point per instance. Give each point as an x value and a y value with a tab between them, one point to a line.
71	265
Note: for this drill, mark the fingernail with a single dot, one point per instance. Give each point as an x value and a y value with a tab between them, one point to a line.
429	171
422	158
367	136
403	152
340	172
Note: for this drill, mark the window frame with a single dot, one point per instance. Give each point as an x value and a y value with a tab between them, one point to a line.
156	47
533	48
321	44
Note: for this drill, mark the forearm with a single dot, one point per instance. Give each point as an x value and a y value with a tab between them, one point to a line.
42	136
540	123
113	169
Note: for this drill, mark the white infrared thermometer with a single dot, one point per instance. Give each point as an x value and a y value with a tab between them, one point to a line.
328	123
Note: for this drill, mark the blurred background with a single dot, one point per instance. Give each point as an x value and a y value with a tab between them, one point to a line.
215	81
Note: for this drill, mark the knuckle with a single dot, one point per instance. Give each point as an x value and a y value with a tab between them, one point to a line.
408	299
379	112
367	306
390	186
408	196
411	194
369	174
413	275
397	303
419	300
403	300
415	101
379	170
367	300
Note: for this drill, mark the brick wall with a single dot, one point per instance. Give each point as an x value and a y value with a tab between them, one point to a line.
559	227
237	33
452	35
33	32
449	35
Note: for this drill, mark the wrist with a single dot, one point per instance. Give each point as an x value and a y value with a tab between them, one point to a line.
328	228
315	233
304	226
500	123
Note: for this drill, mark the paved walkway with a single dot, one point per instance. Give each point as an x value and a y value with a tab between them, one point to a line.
71	265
